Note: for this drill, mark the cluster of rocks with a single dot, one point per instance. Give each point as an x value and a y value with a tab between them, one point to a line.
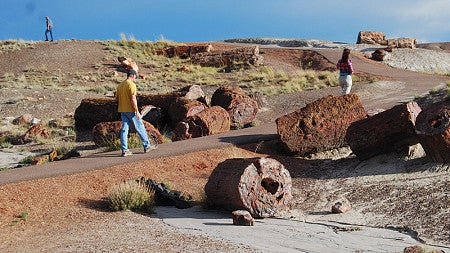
333	122
185	113
379	38
37	131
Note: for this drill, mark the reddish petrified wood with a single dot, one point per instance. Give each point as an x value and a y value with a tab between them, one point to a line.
384	132
212	120
224	58
261	186
183	108
241	107
321	125
105	133
242	218
433	130
95	110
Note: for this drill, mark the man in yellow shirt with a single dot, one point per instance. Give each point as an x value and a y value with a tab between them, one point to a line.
129	113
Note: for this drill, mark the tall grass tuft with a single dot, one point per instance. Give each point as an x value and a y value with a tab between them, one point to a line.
131	195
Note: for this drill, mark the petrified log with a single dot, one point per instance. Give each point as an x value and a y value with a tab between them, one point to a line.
241	107
433	130
319	126
183	108
105	133
128	63
184	51
212	120
261	186
95	110
224	58
384	132
402	42
371	37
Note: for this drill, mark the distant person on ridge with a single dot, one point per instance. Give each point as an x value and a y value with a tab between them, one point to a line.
49	28
345	67
129	113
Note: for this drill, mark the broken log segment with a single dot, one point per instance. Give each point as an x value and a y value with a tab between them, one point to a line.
319	126
384	132
225	58
95	110
212	120
433	130
241	107
183	108
261	186
105	133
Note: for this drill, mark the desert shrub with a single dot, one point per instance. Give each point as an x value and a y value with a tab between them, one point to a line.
133	142
131	195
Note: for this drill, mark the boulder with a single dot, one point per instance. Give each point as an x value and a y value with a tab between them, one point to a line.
319	126
105	133
433	129
183	108
402	43
371	37
385	132
241	107
92	111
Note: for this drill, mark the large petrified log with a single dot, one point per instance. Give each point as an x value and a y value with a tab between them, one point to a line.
402	42
183	108
104	133
384	132
371	37
212	120
261	186
241	107
319	126
433	130
184	51
224	58
95	110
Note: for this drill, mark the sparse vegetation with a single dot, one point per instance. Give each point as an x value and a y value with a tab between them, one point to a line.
131	195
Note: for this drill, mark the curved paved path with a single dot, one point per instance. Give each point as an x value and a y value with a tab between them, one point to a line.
404	86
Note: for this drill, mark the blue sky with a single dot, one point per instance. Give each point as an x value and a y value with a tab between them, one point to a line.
204	20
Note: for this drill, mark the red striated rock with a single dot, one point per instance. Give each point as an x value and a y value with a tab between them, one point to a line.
105	133
384	132
433	130
262	186
241	107
321	125
213	120
183	108
95	110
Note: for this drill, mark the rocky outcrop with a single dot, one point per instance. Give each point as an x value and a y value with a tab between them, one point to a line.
402	43
371	37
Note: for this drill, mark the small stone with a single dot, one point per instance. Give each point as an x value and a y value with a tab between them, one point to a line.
242	218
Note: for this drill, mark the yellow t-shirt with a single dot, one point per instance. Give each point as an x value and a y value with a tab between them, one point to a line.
124	92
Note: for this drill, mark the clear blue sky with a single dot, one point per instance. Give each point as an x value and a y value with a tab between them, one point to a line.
207	20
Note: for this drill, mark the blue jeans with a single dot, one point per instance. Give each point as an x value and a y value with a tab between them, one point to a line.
51	34
127	118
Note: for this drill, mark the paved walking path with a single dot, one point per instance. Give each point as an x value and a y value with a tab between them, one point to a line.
405	85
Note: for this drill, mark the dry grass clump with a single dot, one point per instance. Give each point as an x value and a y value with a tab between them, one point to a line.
131	195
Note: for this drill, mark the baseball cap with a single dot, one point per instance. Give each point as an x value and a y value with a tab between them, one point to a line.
132	72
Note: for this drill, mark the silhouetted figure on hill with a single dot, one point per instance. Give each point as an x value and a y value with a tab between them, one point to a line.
48	29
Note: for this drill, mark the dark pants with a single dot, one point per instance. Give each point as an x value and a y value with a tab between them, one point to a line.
51	34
